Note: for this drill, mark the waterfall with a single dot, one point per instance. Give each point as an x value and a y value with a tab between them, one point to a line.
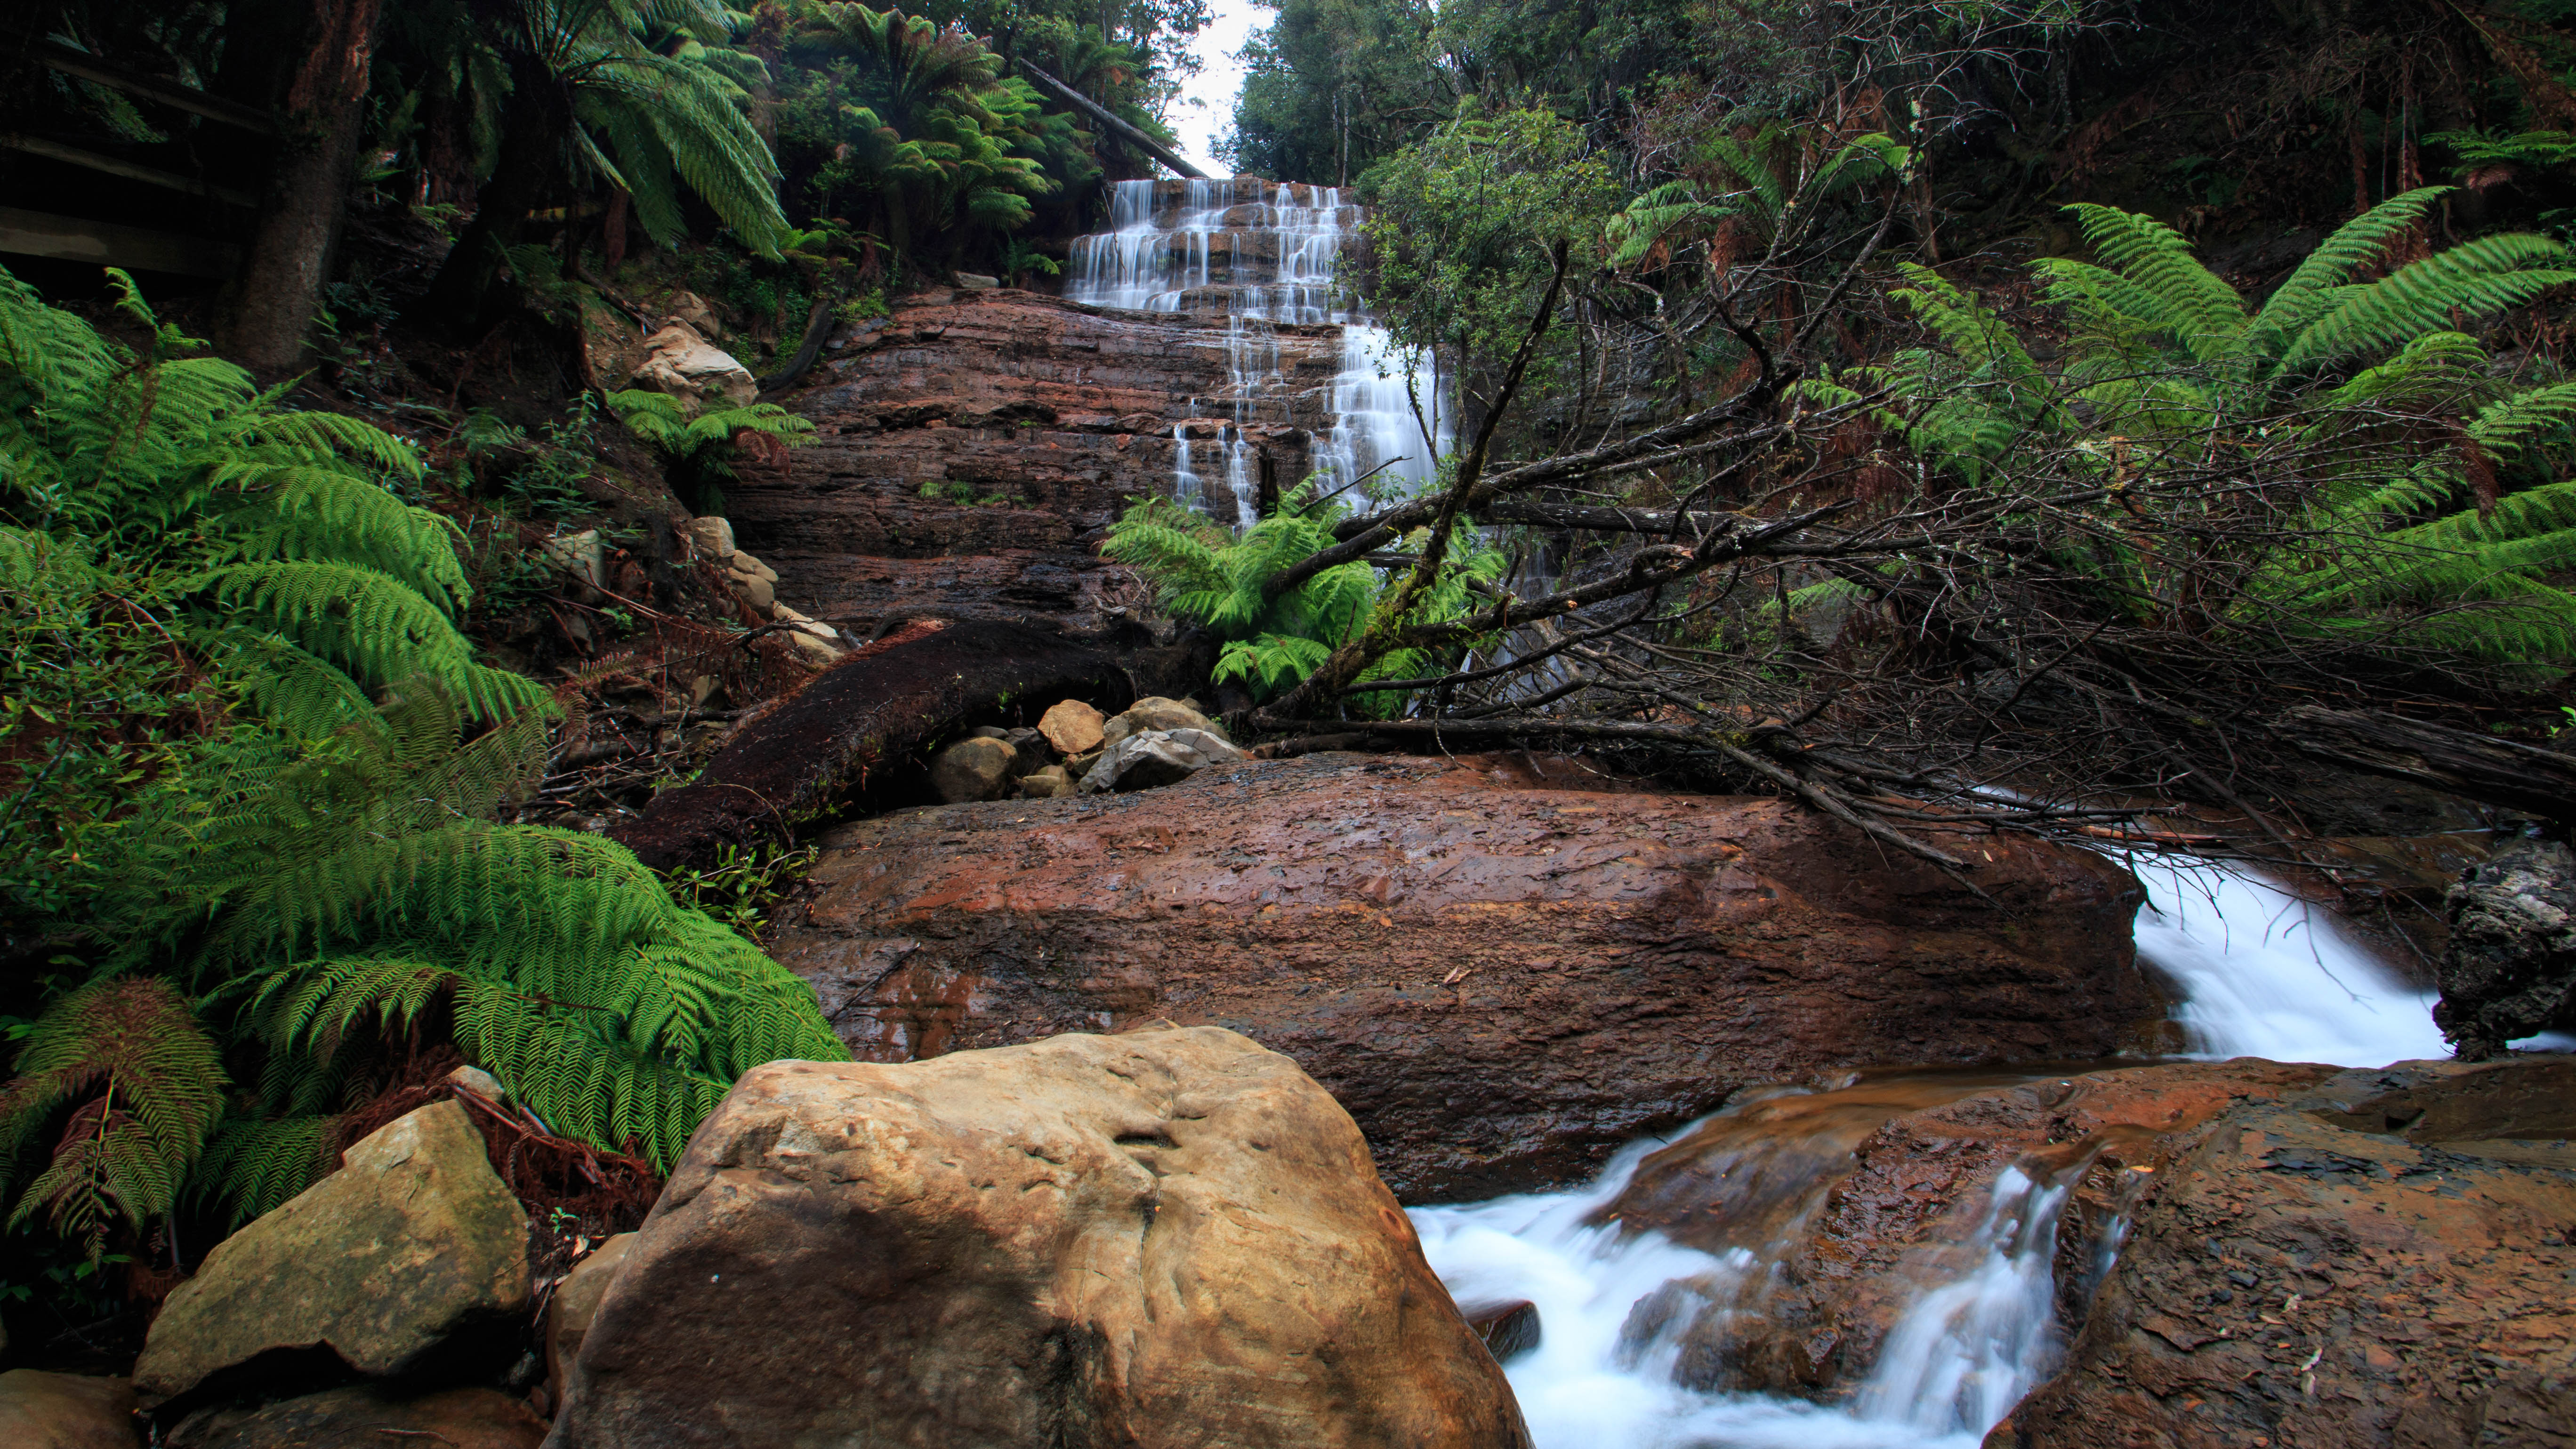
1261	255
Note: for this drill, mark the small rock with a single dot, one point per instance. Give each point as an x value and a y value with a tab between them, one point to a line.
1080	765
575	1302
972	770
1074	728
411	1240
1051	783
480	1082
816	650
680	362
365	1418
691	308
712	538
65	1411
1157	757
977	281
990	732
1509	1328
755	591
743	563
1157	713
577	554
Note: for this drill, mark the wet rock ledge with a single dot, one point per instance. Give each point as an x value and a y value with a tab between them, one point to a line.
1503	967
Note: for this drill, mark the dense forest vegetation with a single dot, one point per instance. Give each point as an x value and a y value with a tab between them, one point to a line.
1880	403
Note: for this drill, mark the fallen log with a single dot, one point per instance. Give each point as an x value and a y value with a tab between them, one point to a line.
858	722
2508	773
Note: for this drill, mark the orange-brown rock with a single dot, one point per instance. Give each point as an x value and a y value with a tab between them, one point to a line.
1162	1239
371	1418
971	452
1501	975
1857	1199
2381	1263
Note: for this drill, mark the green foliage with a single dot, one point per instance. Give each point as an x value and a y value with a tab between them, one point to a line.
1215	578
1461	227
1752	182
2460	535
259	810
702	450
1331	87
743	884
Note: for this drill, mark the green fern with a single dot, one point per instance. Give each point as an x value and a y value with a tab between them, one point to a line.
1214	578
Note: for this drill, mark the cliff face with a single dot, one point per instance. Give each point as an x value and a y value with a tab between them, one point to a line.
973	449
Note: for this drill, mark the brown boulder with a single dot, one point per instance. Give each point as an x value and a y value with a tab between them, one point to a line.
412	1240
1164	1239
575	1304
367	1418
65	1411
2382	1263
973	770
1072	726
1501	975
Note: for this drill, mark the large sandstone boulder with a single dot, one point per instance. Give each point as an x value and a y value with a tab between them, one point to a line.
1168	1238
1154	712
2382	1263
1501	975
2509	969
373	1418
65	1411
411	1241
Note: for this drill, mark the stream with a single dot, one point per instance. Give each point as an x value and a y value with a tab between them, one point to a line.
2255	973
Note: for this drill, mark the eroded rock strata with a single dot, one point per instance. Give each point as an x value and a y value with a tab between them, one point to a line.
1502	973
971	452
2382	1261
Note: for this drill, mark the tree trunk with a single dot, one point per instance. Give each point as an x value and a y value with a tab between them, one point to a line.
2516	776
271	303
459	296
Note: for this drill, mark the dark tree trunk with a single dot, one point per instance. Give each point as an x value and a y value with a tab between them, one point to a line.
2516	776
271	302
531	137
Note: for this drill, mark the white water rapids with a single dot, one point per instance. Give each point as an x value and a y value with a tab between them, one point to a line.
2258	973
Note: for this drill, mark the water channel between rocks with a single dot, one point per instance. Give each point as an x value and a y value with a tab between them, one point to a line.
2255	972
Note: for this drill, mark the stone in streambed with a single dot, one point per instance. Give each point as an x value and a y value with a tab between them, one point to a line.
1051	783
2381	1262
371	1418
65	1411
1157	757
973	769
2509	967
1154	712
1163	1239
1073	727
412	1240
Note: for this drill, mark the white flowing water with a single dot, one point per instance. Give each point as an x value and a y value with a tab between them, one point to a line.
1261	255
2259	974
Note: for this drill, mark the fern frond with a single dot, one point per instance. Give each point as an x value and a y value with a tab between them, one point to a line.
2479	276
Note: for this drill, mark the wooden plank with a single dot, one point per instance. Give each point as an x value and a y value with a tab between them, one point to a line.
130	170
168	92
74	239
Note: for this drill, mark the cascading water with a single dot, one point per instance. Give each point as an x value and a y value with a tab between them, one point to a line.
1262	255
2259	973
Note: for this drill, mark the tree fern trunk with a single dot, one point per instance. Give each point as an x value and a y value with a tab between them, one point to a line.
532	132
271	303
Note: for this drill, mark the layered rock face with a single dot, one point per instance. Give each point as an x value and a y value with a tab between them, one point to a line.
2380	1263
1501	974
1169	1238
968	460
